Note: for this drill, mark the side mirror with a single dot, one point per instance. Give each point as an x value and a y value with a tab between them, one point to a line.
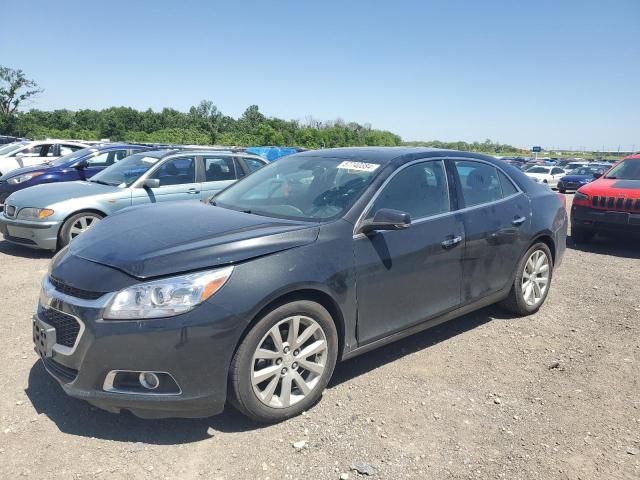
19	155
386	219
151	183
81	165
597	174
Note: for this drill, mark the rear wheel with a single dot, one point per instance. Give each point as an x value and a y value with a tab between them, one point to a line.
284	363
581	235
533	278
76	225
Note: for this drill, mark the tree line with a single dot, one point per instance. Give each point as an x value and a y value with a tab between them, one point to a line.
202	124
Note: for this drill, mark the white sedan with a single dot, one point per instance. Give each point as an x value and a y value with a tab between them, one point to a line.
29	153
546	174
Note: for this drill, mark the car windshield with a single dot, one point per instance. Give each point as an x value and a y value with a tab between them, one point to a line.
586	170
124	173
12	147
626	170
538	170
300	188
70	157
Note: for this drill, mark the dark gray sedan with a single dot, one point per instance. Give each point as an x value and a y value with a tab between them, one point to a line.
175	309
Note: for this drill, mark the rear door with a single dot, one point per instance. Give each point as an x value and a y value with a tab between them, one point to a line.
220	171
496	217
177	177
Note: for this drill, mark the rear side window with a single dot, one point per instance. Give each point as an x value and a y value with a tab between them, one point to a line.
480	182
217	169
420	190
508	188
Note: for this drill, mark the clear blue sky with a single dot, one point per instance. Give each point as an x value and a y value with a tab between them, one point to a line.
549	72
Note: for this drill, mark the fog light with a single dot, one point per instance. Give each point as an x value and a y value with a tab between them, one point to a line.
149	380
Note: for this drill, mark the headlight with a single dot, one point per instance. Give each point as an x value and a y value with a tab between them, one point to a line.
580	196
167	297
23	178
34	213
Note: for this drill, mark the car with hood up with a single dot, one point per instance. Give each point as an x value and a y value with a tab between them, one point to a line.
79	165
251	299
610	204
52	215
581	176
28	153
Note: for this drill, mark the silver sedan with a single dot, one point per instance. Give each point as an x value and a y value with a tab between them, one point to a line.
50	216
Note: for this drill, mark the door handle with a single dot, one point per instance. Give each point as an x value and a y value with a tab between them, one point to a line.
193	191
518	221
451	242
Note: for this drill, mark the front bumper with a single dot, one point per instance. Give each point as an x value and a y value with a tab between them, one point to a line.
605	221
41	235
194	348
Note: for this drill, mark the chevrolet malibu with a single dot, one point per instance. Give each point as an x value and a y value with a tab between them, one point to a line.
50	216
252	298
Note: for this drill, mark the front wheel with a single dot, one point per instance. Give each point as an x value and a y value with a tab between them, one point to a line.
533	278
284	363
77	224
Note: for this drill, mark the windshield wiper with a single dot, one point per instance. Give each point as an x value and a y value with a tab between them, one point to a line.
104	183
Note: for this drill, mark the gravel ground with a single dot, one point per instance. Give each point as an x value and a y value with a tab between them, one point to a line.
554	395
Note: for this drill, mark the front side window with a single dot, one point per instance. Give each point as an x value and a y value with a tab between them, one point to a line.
106	159
420	190
217	169
479	181
627	170
177	171
301	188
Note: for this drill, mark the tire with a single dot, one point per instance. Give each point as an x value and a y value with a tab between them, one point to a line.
274	405
562	190
69	228
517	302
581	235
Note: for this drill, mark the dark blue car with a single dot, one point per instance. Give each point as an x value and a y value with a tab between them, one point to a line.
79	165
580	176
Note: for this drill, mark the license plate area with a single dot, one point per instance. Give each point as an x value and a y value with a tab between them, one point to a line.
44	338
619	218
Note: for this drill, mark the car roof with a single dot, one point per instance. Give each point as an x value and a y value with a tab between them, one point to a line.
385	155
633	156
165	152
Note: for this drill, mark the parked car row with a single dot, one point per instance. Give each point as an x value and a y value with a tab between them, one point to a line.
251	295
49	216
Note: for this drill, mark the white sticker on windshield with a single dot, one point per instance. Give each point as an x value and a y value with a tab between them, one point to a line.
359	166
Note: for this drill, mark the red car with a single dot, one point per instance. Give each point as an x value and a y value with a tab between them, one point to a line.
610	204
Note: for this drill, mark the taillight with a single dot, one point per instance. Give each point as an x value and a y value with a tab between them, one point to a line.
581	199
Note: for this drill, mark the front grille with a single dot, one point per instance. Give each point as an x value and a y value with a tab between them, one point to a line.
615	202
73	291
64	374
67	327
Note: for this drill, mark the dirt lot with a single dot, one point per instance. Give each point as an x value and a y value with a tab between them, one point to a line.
555	395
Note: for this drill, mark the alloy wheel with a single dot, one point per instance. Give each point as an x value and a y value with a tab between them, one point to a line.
82	224
289	361
535	278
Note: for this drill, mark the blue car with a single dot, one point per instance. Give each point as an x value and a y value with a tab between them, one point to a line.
79	165
580	176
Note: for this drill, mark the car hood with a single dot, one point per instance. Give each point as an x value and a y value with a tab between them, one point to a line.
612	187
48	194
157	240
21	171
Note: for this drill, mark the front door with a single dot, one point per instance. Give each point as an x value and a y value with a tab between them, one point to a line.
177	182
407	276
